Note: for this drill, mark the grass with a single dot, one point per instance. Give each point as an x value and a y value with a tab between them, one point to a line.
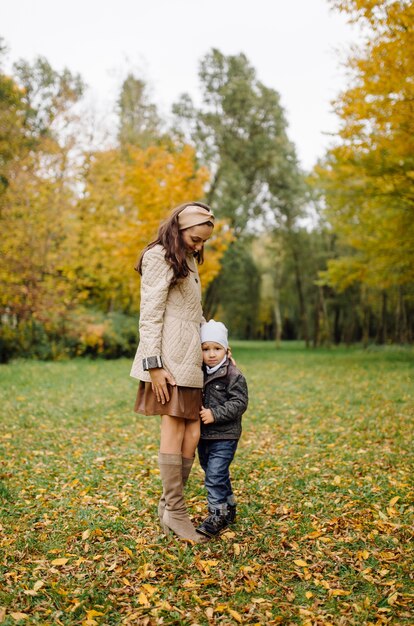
323	477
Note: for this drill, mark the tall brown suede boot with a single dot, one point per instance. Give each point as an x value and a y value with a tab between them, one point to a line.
186	471
175	516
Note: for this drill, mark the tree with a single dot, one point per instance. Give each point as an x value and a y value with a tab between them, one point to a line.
13	140
368	179
139	123
240	131
238	285
47	95
126	196
269	253
36	206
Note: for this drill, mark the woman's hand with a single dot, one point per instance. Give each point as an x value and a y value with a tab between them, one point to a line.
159	379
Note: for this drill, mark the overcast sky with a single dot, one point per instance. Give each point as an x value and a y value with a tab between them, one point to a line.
296	47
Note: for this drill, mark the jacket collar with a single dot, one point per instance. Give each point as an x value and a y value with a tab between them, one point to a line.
222	371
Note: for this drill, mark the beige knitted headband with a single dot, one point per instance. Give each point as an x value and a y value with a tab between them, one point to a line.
194	215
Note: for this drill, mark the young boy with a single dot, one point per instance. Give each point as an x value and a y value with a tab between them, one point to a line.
225	400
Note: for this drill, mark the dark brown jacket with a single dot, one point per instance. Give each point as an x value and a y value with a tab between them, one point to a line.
225	394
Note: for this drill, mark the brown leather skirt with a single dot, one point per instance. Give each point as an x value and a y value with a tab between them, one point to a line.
184	402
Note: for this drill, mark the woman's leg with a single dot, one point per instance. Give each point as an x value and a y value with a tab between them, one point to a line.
175	515
191	438
177	438
174	441
172	434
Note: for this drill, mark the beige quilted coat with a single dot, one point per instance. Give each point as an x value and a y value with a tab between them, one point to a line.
170	318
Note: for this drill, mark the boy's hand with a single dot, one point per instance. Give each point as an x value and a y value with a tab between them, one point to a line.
206	416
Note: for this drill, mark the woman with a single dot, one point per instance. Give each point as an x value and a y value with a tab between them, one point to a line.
169	358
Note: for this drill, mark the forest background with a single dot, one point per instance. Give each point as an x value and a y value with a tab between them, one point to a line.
325	256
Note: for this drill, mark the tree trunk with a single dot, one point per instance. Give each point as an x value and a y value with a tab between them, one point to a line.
322	331
326	325
337	331
213	187
365	327
401	318
278	319
210	300
382	331
316	326
301	298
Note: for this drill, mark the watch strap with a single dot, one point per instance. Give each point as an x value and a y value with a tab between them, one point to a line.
151	362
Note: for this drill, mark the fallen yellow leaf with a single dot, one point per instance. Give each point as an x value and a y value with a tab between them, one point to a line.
61	561
228	535
339	592
235	615
313	535
362	554
300	563
142	599
393	598
165	606
92	613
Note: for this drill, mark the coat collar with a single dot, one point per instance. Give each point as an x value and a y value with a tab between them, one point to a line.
222	371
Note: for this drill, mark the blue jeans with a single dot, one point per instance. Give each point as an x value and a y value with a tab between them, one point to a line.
215	457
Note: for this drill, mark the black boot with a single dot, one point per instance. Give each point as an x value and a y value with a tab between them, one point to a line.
214	524
231	513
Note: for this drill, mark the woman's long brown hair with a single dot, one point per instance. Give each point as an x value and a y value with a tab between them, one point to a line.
169	236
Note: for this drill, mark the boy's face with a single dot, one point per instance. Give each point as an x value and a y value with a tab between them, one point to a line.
213	353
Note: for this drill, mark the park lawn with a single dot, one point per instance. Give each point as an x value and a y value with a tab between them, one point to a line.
323	477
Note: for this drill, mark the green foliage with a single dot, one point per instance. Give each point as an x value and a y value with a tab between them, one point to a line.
139	123
322	475
82	332
46	94
91	333
237	289
241	133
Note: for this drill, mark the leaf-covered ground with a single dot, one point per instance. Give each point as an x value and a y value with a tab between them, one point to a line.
323	477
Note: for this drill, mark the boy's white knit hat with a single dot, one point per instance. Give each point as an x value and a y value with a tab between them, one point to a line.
215	331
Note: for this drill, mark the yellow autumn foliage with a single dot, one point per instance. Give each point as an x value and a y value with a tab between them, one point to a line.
368	178
126	197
